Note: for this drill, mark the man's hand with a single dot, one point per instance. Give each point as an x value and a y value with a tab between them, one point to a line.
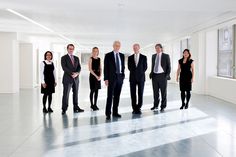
106	82
74	75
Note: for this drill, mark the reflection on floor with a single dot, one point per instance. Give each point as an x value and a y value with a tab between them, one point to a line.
207	128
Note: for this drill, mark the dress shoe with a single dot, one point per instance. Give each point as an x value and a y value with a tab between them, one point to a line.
45	110
63	112
108	118
138	112
162	109
116	115
77	110
50	110
154	107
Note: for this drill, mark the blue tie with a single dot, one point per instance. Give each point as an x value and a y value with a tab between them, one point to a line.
117	64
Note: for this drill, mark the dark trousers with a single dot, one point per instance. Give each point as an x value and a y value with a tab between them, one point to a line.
159	83
133	88
113	92
66	92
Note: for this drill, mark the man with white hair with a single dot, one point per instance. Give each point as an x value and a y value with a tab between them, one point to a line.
114	74
137	65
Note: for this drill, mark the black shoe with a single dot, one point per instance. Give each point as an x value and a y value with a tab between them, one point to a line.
154	107
63	112
134	112
162	109
108	118
45	110
138	112
186	106
96	107
93	107
116	115
182	107
50	110
77	110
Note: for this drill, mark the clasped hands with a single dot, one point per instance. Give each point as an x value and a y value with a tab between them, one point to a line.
74	74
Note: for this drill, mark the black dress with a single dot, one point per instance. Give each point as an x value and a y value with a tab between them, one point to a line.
48	78
93	82
185	81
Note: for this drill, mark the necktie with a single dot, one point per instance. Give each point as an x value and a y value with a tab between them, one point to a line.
117	63
72	59
156	64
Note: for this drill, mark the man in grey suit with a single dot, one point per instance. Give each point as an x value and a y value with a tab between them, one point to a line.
160	73
71	67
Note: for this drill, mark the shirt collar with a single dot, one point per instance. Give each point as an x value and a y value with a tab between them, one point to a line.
116	52
48	61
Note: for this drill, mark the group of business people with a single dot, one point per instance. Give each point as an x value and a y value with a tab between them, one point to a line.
114	74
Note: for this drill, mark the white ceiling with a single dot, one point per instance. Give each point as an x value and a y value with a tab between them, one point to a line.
100	22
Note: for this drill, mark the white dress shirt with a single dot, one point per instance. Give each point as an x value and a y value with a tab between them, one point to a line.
136	58
42	65
160	69
118	58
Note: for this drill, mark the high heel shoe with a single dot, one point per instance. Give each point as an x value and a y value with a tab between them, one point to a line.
96	107
45	110
182	107
93	107
186	106
50	110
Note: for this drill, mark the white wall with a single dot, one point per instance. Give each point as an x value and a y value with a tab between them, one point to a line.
27	65
9	69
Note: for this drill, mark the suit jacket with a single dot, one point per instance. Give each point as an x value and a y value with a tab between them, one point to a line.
69	68
165	63
137	73
110	66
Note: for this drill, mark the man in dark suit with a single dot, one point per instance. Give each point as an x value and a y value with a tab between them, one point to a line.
114	67
71	67
137	65
160	73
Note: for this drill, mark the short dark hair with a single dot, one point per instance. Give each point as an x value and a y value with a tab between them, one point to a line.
70	45
45	55
187	50
158	45
95	48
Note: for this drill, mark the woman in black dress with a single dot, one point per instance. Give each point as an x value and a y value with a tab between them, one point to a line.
186	73
94	77
48	80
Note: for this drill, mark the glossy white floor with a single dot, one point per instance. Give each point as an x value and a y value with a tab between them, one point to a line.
207	128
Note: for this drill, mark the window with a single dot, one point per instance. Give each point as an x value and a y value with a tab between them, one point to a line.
226	52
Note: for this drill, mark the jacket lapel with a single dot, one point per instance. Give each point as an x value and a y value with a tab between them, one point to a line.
113	59
162	59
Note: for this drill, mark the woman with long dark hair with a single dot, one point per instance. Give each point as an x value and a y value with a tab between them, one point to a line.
48	80
186	73
94	77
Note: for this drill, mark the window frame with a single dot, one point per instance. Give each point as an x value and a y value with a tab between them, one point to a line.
233	68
